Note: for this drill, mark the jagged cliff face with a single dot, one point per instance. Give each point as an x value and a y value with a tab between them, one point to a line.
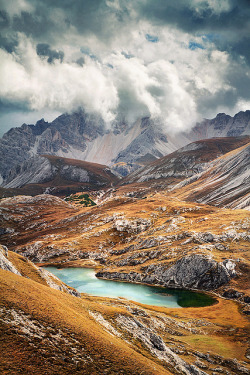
65	136
125	147
222	126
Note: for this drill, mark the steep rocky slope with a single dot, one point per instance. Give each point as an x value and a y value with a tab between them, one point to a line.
63	175
46	331
224	182
187	161
21	266
126	146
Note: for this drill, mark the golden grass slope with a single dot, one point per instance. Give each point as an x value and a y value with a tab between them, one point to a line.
46	331
52	313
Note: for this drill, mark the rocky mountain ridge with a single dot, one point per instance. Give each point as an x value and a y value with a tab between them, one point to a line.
52	172
223	182
125	147
186	161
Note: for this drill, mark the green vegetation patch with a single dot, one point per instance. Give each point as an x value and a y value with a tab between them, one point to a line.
83	199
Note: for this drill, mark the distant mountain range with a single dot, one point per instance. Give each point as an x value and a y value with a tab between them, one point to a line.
124	148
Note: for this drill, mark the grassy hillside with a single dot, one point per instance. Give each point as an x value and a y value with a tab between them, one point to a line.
46	331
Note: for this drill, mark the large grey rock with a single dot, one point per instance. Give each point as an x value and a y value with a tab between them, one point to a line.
194	271
137	225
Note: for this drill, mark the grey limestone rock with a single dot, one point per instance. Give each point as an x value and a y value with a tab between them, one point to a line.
138	225
152	341
190	272
195	271
5	264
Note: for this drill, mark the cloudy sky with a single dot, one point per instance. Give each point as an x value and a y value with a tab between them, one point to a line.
177	61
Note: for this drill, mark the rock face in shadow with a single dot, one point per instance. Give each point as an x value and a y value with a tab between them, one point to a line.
194	271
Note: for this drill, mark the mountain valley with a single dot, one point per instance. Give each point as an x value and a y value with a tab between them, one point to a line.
179	218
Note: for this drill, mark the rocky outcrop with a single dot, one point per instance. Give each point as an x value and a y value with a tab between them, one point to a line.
194	271
56	283
51	280
152	341
138	225
232	294
5	264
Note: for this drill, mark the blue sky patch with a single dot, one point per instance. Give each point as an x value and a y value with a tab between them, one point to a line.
127	55
211	38
193	46
86	51
152	38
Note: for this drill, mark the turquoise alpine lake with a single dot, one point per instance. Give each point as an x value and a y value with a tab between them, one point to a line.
85	281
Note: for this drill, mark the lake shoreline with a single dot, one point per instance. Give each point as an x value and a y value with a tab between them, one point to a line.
178	293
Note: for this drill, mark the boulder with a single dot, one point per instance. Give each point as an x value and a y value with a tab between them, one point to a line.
247	299
231	293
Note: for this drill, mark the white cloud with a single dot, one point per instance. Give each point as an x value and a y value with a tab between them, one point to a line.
15	7
24	77
216	6
163	79
113	4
